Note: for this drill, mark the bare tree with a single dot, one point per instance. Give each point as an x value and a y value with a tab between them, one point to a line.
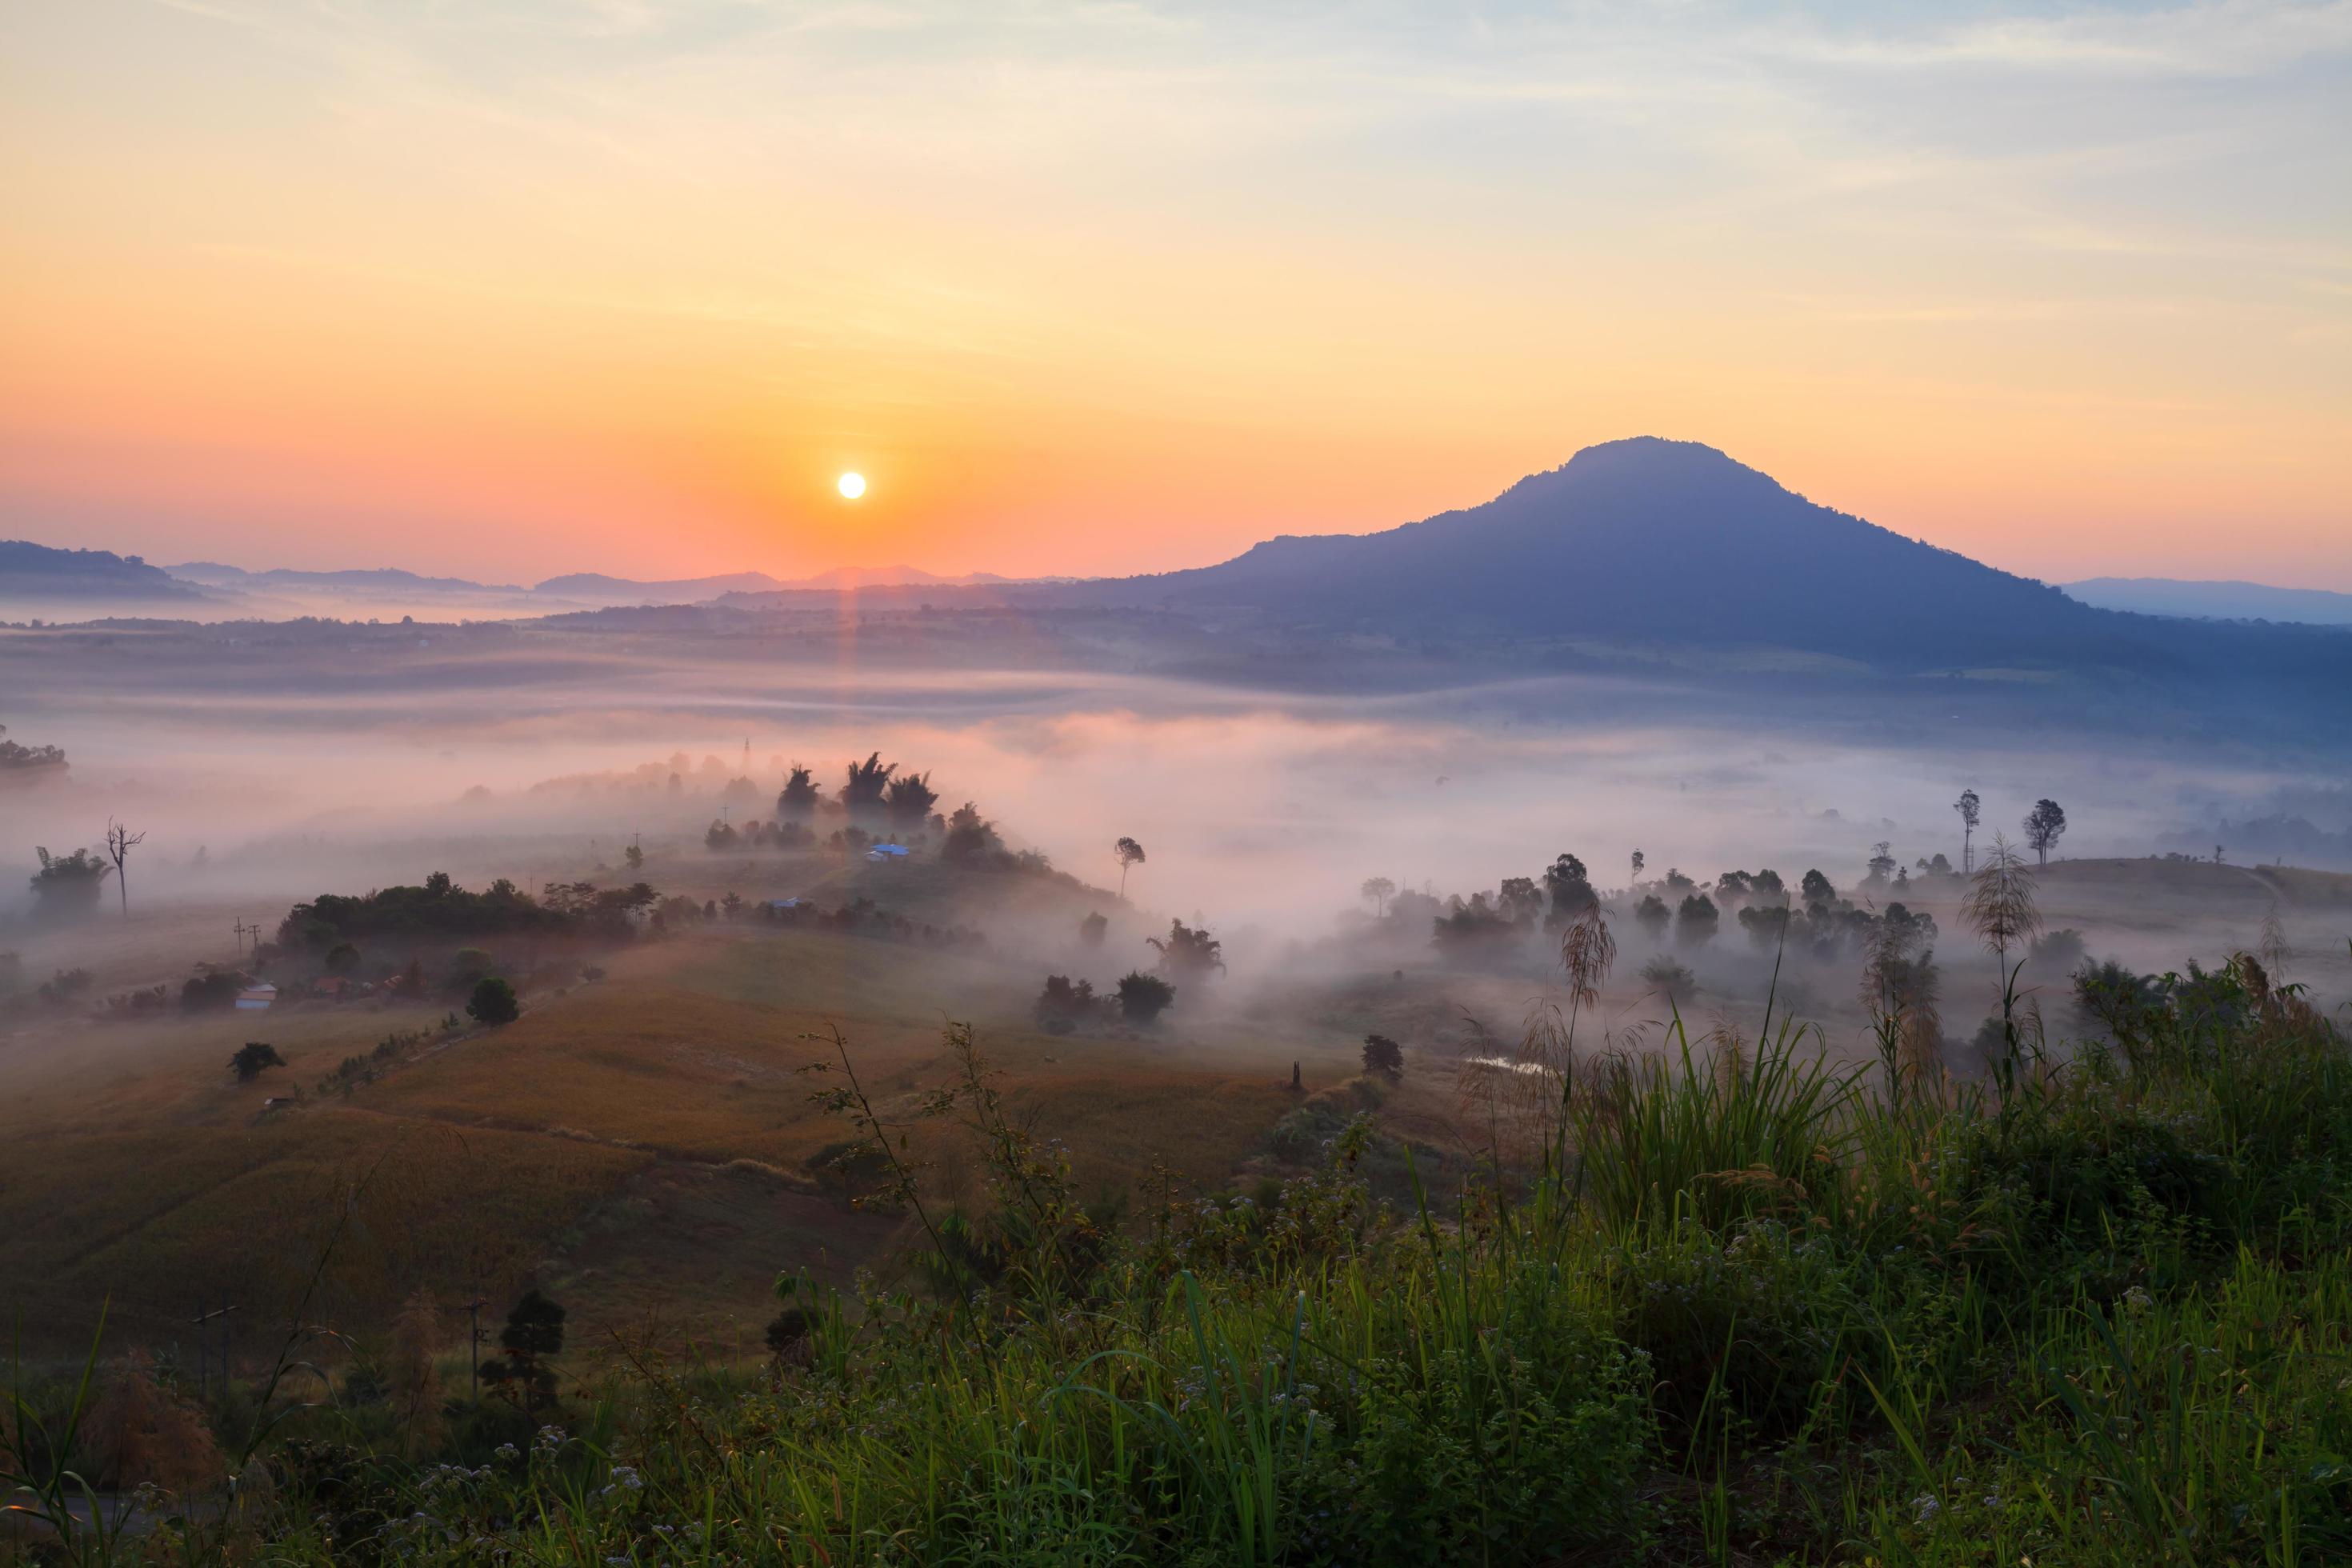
1129	853
1972	812
2044	824
1379	889
120	842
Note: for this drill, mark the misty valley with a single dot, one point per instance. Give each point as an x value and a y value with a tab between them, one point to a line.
774	1081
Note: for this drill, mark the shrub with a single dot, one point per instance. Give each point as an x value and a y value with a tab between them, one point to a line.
1383	1057
212	990
1143	997
253	1058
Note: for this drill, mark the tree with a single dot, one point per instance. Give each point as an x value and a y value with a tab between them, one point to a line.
2045	822
67	885
1129	853
1092	929
909	799
636	857
120	842
1568	887
798	801
1652	916
1063	1005
1383	1057
1379	889
532	1337
1143	997
253	1058
28	760
969	834
494	1002
1694	922
342	958
1816	888
1189	953
1882	864
1972	812
861	791
1639	861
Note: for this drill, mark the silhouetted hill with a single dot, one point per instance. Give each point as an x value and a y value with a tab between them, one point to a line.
596	587
2226	601
1665	540
373	579
37	571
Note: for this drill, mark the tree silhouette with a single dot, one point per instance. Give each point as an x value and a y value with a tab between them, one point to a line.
253	1058
1639	861
120	842
1092	929
861	791
1970	809
493	1002
1383	1057
533	1336
969	834
1189	953
2045	822
69	884
1652	916
1694	922
1143	997
1569	887
1129	853
910	798
799	800
1377	889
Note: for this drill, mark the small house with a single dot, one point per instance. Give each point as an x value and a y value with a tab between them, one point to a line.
886	853
257	998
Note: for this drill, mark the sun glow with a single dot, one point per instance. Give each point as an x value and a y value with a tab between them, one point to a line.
851	486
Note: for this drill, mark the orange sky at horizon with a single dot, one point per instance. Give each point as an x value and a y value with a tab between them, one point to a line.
624	287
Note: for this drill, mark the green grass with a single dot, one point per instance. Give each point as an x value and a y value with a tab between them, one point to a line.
1745	1312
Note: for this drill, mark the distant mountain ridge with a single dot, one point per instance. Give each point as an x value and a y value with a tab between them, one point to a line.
2218	601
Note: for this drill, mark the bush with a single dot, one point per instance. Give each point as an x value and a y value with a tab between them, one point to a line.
494	1002
1143	997
253	1058
212	990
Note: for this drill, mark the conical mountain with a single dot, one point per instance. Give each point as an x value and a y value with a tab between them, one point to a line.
1658	539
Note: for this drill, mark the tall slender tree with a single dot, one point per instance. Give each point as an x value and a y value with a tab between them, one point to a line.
1129	853
120	842
1971	812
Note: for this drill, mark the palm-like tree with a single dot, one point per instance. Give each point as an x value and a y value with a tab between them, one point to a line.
1129	853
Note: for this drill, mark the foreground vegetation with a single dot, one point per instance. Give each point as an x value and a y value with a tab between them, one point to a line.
1727	1304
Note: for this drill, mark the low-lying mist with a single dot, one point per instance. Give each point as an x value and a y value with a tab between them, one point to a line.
1261	814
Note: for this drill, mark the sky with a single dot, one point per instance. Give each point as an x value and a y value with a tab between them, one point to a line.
510	287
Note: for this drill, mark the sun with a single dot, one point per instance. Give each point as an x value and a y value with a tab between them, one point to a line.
851	486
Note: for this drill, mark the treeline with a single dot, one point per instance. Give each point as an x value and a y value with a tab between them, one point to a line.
441	909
